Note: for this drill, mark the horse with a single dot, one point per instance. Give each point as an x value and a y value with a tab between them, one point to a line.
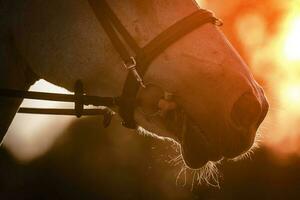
199	92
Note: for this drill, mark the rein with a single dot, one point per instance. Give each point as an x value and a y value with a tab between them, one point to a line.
136	63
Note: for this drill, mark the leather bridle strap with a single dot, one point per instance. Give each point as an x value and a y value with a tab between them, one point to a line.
114	29
142	57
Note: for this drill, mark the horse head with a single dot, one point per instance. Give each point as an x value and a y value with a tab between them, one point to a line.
198	92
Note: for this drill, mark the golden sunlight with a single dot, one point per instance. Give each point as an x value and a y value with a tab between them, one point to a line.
30	136
201	3
292	43
291	95
275	57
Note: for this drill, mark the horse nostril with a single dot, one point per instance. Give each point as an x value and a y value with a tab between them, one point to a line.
246	110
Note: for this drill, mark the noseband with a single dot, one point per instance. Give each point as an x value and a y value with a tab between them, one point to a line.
136	63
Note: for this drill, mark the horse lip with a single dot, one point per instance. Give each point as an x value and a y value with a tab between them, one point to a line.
196	148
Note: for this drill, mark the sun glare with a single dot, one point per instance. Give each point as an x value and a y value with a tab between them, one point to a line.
291	95
292	43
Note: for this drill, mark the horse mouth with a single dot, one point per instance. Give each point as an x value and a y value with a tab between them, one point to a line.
197	148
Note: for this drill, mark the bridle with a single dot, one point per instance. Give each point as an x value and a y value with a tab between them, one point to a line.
137	64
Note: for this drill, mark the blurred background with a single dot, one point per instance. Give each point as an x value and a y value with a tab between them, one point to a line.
50	157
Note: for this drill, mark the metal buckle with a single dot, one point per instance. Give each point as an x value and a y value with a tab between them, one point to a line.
131	65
